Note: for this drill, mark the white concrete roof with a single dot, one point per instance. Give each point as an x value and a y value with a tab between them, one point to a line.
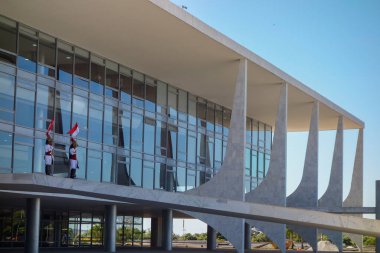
160	39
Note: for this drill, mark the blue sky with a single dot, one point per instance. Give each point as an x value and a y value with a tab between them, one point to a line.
331	46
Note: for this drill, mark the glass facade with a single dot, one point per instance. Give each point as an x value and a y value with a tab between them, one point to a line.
134	130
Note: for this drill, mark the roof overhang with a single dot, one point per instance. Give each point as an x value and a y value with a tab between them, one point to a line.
164	41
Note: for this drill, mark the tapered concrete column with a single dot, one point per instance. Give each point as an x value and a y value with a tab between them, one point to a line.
32	225
247	236
110	229
211	238
167	229
378	213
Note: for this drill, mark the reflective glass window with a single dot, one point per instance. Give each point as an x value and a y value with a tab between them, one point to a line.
27	55
226	121
268	138
63	112
65	60
151	95
182	144
192	110
267	162
8	35
24	107
94	165
97	75
138	90
80	107
218	150
254	164
122	171
201	113
7	87
159	175
210	152
39	156
82	68
5	152
45	106
210	117
148	178
201	149
137	131
172	102
172	142
124	129
255	133
181	179
95	125
22	154
109	163
218	119
149	126
82	164
190	180
46	55
110	125
125	86
136	169
182	105
112	80
260	164
61	158
261	135
191	147
248	133
161	97
247	161
170	179
161	138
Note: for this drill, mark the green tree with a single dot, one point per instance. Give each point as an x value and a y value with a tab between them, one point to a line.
369	241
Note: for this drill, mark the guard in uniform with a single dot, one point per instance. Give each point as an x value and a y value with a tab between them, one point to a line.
73	158
49	156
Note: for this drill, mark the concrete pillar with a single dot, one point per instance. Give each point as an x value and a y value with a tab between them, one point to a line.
156	232
211	238
247	236
32	225
110	229
167	229
378	212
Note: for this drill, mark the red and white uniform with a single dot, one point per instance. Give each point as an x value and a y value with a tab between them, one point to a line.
48	154
73	157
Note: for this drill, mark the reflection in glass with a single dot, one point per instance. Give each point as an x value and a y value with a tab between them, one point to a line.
82	68
172	102
109	162
148	175
39	155
190	182
8	35
181	179
122	172
97	76
94	165
161	97
27	55
182	105
7	84
182	143
226	121
81	157
45	106
210	117
149	136
5	152
22	154
112	80
136	165
125	88
65	65
80	106
201	113
46	55
191	147
95	125
151	94
24	107
124	129
110	125
161	138
172	142
137	131
138	90
218	119
63	112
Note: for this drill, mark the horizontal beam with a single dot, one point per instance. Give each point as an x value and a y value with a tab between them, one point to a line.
163	199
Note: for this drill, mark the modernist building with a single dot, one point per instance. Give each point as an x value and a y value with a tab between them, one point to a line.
153	91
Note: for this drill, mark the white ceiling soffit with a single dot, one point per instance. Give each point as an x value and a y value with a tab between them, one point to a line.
158	38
